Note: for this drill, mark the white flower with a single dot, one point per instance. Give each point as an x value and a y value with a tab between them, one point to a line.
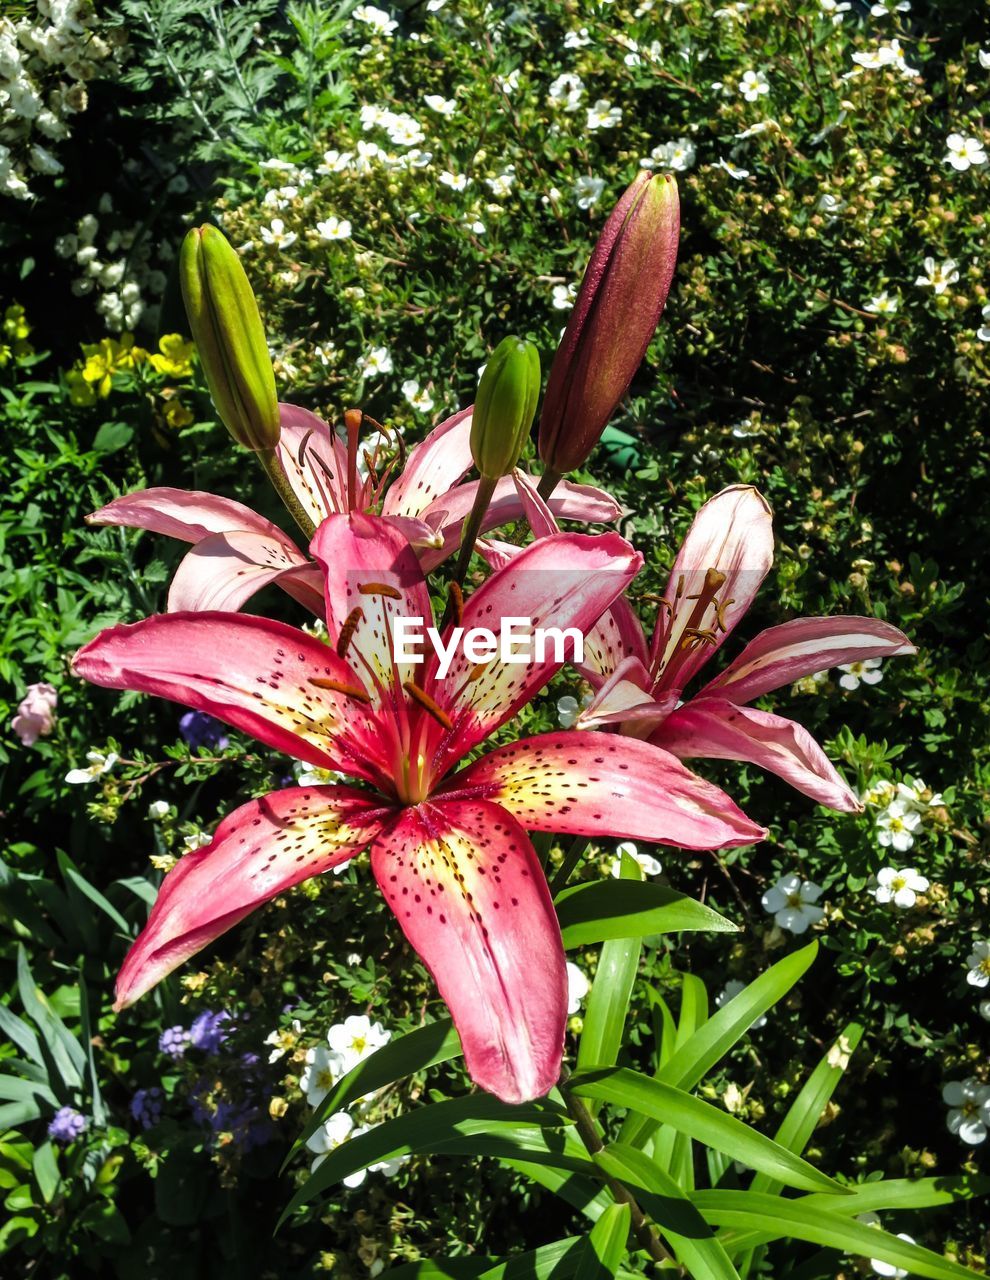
647	864
578	987
577	39
378	360
979	965
329	1136
322	1070
563	299
441	105
567	91
377	19
895	826
588	191
196	840
335	162
899	887
603	115
729	992
761	126
733	12
283	1041
791	903
753	84
503	182
419	399
887	1268
964	152
158	810
887	54
678	155
404	131
985	1009
510	83
914	794
456	181
884	11
983	333
969	1115
356	1038
334	228
835	9
882	304
277	236
984	58
867	670
731	170
311	775
99	764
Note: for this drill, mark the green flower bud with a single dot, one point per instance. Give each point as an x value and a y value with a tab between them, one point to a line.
226	326
504	407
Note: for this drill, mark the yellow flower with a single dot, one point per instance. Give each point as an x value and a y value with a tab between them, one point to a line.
176	356
80	391
177	415
107	357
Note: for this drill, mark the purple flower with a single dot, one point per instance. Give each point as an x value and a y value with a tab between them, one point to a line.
173	1041
201	730
207	1032
67	1125
146	1106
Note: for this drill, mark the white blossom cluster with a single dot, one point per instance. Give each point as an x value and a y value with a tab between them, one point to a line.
45	61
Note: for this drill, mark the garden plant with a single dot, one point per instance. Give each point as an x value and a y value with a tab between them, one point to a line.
495	764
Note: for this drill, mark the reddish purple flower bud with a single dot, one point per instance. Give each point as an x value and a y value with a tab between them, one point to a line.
617	311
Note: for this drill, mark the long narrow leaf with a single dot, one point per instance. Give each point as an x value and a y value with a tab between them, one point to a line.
66	1051
583	1194
605	1246
606	909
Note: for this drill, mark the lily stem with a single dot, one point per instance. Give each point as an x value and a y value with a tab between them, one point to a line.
548	482
589	1134
469	534
571	858
280	483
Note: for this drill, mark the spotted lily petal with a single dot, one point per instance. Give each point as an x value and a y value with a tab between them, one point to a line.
626	697
225	570
468	891
187	514
314	460
722	730
780	655
251	673
601	784
372	578
727	553
433	467
615	637
565	581
258	851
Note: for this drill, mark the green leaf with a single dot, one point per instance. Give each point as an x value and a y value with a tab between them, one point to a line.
17	1029
611	991
584	1194
112	436
607	909
46	1172
427	1129
425	1047
439	1269
687	1233
700	1120
78	881
605	1246
66	1052
809	1219
17	1089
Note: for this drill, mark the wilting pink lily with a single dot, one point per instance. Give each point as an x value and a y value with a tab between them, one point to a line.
236	552
725	557
449	851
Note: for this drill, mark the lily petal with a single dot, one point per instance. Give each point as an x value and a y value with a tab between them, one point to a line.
251	673
258	851
601	784
626	696
369	566
314	460
616	636
565	581
187	514
433	466
720	730
731	535
224	570
780	655
468	891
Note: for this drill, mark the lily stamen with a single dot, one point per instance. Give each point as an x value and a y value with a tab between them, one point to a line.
355	616
337	686
428	705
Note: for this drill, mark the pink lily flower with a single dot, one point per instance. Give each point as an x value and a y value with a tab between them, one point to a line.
236	552
449	850
726	555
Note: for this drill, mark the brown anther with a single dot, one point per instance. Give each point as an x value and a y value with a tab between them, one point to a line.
477	671
337	686
720	609
379	589
355	616
699	634
456	596
714	578
680	586
428	705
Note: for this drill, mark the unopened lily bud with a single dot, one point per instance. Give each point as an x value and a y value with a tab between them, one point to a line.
504	407
226	326
616	313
